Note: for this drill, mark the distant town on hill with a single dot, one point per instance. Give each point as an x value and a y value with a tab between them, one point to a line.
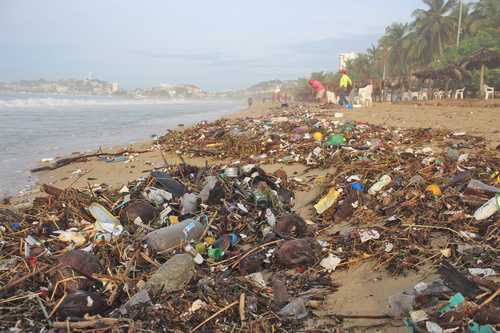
95	87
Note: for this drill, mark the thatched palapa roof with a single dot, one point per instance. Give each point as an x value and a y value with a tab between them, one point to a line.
489	57
451	71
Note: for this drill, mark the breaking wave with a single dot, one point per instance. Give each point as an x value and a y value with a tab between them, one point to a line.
49	102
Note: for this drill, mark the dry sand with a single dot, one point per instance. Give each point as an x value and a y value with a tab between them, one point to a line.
363	290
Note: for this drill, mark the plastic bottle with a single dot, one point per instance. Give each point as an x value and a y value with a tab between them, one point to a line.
479	186
260	199
378	186
488	209
171	236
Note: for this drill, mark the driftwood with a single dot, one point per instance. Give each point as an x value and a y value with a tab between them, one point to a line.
81	158
103	322
457	280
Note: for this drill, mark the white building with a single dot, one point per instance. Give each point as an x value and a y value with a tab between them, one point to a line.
115	87
344	58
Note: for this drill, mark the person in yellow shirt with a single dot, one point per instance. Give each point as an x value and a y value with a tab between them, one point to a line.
345	86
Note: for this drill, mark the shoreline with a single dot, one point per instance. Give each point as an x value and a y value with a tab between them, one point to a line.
19	180
473	120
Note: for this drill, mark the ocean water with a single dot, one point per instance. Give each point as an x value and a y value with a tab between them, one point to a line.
33	127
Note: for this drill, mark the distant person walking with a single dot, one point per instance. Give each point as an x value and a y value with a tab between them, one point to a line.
319	88
250	102
345	86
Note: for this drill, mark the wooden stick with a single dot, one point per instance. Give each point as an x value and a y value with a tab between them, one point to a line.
342	316
242	307
86	324
258	248
12	299
491	298
148	259
417	226
57	305
216	314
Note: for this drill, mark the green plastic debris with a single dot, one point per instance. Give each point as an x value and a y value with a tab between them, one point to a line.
476	328
336	140
200	248
215	253
347	127
454	301
410	325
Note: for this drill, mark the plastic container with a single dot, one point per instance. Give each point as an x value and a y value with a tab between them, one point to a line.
189	203
378	186
260	199
104	220
172	236
488	209
336	140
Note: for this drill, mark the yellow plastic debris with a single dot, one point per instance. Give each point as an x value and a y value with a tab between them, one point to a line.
173	219
318	136
434	189
327	201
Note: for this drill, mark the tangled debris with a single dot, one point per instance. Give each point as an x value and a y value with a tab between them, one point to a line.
220	248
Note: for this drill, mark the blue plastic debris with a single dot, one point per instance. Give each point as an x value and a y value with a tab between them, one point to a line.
454	301
358	187
476	328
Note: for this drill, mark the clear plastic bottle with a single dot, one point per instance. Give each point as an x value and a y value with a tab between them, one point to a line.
488	209
378	186
171	236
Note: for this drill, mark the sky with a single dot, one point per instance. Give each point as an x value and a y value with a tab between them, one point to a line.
218	44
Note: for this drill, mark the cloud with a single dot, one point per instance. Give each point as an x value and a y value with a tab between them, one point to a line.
189	56
336	45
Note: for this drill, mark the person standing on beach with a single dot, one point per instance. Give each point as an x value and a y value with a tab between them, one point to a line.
319	88
345	86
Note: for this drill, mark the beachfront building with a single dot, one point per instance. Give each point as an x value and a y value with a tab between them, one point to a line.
344	58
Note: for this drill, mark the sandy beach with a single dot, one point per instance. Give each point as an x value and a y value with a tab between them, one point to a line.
472	120
363	289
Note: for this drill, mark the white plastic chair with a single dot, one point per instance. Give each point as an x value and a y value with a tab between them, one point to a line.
424	95
459	92
489	92
449	94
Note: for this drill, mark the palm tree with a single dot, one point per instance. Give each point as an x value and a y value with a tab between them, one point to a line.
373	54
486	14
434	28
393	46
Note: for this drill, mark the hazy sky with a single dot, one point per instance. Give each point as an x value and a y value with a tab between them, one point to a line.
218	44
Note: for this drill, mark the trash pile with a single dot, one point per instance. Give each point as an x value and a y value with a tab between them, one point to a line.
304	135
450	304
219	248
165	253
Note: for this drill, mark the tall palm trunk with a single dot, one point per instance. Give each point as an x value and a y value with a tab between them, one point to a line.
481	82
440	45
